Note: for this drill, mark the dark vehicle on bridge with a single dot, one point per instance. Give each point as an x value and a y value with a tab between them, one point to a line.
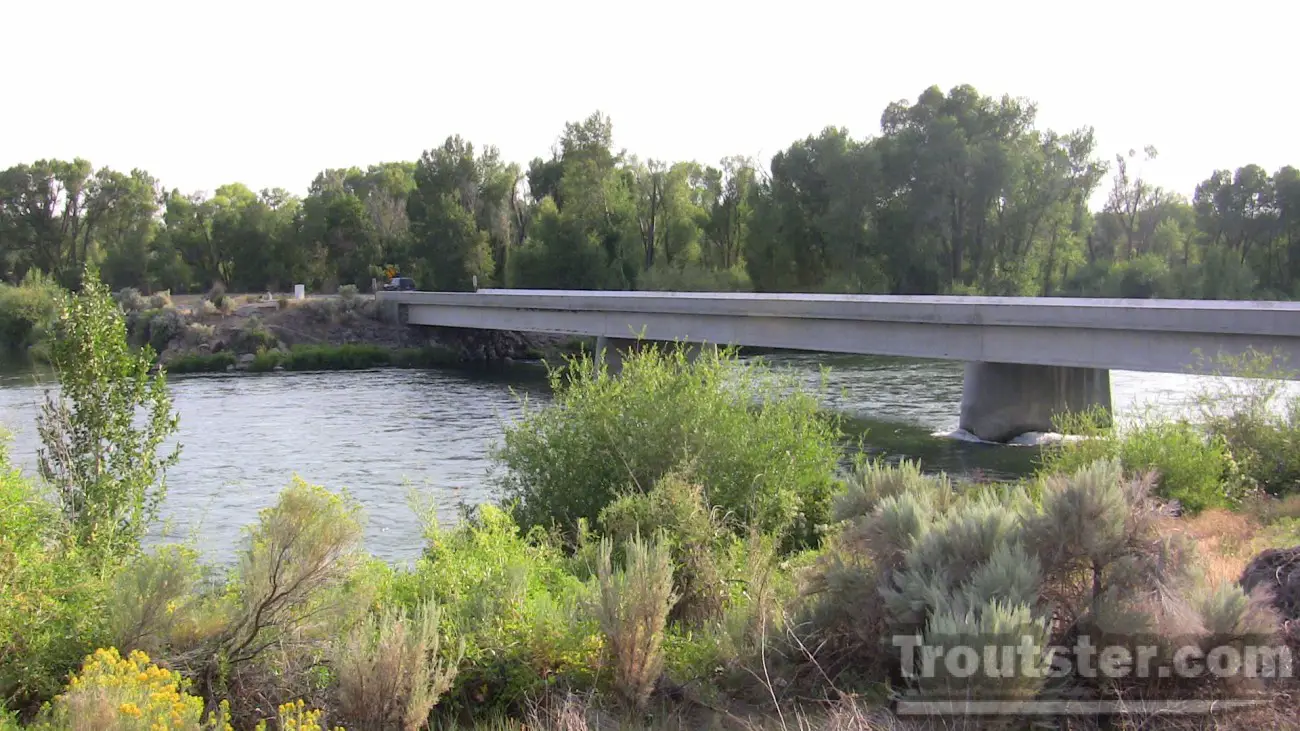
400	284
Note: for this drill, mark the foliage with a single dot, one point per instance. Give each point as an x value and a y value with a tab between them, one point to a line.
633	609
217	296
130	300
152	598
112	692
692	532
992	565
757	442
1191	466
106	472
253	337
28	311
155	327
512	601
391	670
348	295
959	193
304	544
1249	407
52	596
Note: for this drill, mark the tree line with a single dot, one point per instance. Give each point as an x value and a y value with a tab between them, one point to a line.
958	193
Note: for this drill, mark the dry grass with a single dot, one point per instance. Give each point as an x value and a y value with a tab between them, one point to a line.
1225	541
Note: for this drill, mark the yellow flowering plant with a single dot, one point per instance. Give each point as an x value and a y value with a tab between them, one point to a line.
296	716
128	694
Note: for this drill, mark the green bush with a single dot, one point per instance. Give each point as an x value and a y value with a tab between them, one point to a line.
28	310
512	600
217	296
52	596
253	337
351	356
692	277
1192	464
1249	408
759	444
348	296
1190	467
692	532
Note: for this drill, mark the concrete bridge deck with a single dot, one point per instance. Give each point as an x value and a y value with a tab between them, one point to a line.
1027	357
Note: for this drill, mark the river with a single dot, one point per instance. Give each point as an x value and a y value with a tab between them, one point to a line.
382	433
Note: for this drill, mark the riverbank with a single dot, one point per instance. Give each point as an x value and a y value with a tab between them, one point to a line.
757	616
257	333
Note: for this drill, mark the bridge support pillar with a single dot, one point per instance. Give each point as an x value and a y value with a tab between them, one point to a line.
1001	401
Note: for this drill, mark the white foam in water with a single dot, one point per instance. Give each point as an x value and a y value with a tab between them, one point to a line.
1028	439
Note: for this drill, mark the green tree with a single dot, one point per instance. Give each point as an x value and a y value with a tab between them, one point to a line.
106	471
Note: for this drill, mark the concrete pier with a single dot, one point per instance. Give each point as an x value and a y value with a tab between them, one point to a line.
1001	401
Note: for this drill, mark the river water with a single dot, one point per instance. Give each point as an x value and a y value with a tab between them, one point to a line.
383	433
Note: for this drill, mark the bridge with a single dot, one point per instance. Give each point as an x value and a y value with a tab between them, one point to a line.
1027	358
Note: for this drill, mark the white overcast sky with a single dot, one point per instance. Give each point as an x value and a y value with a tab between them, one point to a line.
269	93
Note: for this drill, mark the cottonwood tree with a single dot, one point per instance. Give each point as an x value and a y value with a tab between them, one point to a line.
104	463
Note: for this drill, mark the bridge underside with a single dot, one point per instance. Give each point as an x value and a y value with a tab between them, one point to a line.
1026	361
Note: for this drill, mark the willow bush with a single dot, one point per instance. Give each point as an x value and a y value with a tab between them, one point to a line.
759	444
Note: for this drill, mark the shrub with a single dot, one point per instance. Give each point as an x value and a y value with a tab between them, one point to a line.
348	296
692	277
112	692
206	307
199	332
993	567
1191	465
253	337
217	296
691	530
161	300
157	328
52	596
759	444
105	470
1248	407
151	597
390	670
633	610
28	310
130	300
258	639
282	303
306	543
516	607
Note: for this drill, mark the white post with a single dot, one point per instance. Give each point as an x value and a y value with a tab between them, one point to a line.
299	291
